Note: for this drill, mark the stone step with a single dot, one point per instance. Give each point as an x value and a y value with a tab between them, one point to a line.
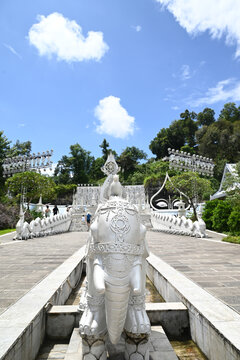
74	350
159	347
173	316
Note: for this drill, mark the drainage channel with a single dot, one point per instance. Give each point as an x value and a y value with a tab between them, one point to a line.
173	317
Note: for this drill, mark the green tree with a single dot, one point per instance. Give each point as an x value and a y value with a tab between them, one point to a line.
189	126
64	193
96	172
221	215
230	112
20	148
206	117
208	212
192	185
105	151
220	140
234	221
75	168
129	159
180	133
63	171
33	184
4	148
172	137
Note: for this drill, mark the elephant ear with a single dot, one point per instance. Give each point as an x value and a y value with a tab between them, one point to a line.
105	189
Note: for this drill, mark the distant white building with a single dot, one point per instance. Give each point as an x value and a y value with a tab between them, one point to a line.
229	169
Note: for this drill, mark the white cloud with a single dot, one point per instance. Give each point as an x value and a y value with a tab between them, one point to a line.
225	90
185	72
219	17
114	119
13	51
137	28
21	125
57	35
175	107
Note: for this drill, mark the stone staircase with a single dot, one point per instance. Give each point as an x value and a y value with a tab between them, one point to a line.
62	324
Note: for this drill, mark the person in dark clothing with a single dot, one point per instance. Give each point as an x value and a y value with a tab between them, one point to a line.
88	217
55	210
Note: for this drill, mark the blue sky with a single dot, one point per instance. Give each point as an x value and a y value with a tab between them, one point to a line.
83	70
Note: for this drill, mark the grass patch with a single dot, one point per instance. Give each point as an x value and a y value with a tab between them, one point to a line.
6	231
232	239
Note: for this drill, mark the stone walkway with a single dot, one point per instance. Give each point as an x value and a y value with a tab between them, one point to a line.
23	264
212	264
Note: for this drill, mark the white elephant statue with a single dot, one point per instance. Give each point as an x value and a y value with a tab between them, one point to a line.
116	254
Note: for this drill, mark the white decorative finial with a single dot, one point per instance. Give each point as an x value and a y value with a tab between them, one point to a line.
110	167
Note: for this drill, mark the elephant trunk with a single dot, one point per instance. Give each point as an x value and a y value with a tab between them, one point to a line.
116	304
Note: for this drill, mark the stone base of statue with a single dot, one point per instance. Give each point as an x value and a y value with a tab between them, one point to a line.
131	347
137	347
94	348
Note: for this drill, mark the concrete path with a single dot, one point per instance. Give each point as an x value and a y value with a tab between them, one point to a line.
23	264
211	263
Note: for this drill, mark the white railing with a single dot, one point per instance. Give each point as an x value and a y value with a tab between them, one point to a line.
55	224
177	225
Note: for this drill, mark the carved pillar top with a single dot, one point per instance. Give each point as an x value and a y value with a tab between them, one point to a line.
110	167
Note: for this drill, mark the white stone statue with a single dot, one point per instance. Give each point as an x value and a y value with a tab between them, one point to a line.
115	299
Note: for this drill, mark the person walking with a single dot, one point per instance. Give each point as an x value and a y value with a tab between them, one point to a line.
88	218
55	210
47	211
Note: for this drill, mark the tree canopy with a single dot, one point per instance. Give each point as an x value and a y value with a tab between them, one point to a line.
129	159
33	184
191	184
75	168
180	133
4	148
20	148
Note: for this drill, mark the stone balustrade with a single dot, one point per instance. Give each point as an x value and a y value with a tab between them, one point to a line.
55	224
177	225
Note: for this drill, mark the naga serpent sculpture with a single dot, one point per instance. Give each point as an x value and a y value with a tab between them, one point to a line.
115	299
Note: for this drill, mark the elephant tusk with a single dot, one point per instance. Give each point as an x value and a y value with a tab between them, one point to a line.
135	279
98	279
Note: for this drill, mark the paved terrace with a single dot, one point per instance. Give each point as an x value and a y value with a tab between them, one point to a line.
23	264
212	264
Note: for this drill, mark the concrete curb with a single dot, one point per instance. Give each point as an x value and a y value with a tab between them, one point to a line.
217	233
11	232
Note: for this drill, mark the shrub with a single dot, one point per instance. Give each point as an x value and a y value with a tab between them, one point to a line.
234	221
220	216
65	193
208	212
9	216
32	215
36	214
